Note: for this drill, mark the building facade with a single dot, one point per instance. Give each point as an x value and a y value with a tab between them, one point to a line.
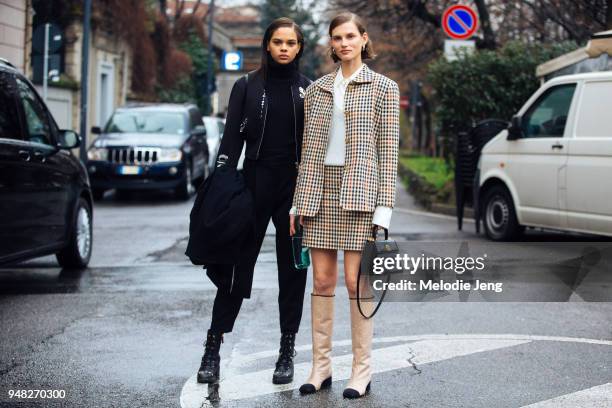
14	18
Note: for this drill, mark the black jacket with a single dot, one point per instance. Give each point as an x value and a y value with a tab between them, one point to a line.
247	115
222	218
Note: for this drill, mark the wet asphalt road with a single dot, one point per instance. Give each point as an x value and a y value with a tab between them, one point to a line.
127	331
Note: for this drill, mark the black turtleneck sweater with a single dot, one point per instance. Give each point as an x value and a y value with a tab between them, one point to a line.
278	145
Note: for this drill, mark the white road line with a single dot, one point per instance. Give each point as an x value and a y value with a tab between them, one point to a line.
253	384
245	359
599	396
427	348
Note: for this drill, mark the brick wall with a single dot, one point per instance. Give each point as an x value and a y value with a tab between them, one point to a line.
13	31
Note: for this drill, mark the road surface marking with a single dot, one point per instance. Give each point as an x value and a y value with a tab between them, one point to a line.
245	359
253	384
599	396
428	348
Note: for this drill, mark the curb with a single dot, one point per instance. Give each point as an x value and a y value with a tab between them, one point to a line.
424	194
447	209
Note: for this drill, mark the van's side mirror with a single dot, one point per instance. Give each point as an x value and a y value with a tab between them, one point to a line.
515	130
96	130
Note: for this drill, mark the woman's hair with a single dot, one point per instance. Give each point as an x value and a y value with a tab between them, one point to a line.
346	17
276	24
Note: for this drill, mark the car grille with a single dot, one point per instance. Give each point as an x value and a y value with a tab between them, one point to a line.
134	155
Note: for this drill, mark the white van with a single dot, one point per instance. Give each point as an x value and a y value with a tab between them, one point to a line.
552	167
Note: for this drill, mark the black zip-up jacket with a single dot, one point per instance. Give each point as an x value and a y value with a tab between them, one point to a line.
247	115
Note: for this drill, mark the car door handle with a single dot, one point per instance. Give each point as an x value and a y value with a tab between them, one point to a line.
24	155
557	146
39	156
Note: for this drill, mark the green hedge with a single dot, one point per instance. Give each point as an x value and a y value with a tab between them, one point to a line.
429	179
434	170
486	84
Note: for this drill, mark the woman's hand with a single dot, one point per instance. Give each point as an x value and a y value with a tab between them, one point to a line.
292	223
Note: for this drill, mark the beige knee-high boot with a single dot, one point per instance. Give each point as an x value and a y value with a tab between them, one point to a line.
361	335
322	312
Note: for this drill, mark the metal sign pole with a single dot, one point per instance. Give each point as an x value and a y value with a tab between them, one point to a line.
85	80
209	81
46	63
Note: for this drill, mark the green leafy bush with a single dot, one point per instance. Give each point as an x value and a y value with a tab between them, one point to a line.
428	179
434	170
487	84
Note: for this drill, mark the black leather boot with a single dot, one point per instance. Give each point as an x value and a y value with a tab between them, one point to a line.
209	369
284	365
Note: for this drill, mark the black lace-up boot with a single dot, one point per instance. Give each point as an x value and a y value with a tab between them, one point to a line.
284	365
209	369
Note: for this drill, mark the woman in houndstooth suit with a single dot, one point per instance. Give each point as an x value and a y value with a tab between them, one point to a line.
345	188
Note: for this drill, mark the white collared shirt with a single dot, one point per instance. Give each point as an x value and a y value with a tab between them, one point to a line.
337	129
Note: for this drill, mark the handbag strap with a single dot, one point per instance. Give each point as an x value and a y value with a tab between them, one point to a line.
379	302
375	233
375	236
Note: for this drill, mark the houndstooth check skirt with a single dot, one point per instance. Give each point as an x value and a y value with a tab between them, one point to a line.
332	227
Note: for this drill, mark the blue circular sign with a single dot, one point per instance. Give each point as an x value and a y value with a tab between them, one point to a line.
459	22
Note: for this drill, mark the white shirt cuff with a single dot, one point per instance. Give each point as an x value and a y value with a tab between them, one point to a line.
293	211
382	216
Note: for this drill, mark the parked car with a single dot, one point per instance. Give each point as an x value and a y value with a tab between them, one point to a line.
214	132
45	198
150	147
552	167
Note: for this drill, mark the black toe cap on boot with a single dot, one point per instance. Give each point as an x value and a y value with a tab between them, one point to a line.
352	394
307	389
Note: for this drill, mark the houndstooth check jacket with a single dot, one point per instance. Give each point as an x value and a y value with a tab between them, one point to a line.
371	111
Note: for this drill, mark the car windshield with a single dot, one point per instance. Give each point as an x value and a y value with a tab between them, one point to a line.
146	122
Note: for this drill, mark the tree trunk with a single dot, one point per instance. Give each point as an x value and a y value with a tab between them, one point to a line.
163	4
488	40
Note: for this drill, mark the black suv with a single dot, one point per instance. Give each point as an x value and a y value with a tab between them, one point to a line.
45	198
150	147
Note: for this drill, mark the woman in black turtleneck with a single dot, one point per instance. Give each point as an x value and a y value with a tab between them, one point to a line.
266	110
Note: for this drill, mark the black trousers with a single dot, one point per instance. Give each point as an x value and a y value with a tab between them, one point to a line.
272	186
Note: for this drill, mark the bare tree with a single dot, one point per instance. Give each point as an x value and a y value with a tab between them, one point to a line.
179	8
413	35
428	12
488	39
575	20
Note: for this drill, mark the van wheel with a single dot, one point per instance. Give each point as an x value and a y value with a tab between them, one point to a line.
77	253
499	216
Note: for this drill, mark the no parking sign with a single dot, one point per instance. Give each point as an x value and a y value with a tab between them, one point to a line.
459	22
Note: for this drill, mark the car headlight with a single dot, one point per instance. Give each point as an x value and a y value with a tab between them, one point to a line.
97	153
170	155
